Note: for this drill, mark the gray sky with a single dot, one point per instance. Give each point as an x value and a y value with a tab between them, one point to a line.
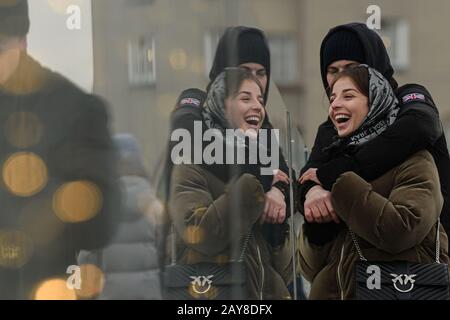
50	41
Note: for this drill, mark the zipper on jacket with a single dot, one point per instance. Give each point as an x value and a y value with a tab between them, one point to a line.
339	272
262	273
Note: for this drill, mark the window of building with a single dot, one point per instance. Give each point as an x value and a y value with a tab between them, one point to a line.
141	62
211	41
284	59
395	35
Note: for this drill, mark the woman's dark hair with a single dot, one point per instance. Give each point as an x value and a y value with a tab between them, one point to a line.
359	76
234	77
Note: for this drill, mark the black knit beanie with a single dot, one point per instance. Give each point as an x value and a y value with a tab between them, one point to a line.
240	45
342	45
252	47
14	20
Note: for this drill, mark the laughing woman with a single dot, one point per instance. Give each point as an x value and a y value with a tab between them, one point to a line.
392	217
211	213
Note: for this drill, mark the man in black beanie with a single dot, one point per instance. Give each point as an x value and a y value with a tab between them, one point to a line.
14	20
58	185
417	127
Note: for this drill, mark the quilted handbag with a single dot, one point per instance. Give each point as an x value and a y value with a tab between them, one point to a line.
401	280
206	280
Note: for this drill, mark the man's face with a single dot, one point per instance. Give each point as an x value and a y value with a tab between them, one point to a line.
10	50
337	67
258	71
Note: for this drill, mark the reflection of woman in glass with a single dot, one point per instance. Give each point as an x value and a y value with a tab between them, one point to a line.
393	217
204	208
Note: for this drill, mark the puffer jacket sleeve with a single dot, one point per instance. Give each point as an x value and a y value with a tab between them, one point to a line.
405	217
205	224
312	257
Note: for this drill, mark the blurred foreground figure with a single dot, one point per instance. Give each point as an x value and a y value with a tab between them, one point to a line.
57	191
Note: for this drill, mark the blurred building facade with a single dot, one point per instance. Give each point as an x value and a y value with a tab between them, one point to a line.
147	51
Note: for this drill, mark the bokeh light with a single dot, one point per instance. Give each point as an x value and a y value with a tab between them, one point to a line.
23	129
92	281
24	174
77	201
54	289
16	249
178	59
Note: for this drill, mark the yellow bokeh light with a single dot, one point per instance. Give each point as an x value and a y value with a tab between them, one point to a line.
178	59
77	201
16	249
23	129
92	281
24	174
194	235
54	289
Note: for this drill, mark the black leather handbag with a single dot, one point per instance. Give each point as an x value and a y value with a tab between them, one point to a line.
207	281
401	280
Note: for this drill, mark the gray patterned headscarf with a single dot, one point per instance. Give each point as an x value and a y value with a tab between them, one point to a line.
214	106
383	109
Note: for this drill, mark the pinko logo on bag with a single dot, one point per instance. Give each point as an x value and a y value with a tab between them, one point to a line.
403	282
201	284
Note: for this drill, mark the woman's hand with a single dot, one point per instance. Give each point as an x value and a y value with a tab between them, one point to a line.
275	207
310	174
318	207
279	175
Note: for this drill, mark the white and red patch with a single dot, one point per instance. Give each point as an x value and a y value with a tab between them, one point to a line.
413	97
190	101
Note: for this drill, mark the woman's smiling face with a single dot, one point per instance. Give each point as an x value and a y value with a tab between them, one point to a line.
246	110
348	107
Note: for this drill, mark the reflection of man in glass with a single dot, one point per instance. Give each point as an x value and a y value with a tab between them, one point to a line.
57	190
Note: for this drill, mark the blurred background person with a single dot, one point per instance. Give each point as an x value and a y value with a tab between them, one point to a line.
129	262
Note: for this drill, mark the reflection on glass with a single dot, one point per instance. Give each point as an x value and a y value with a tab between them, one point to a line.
24	174
77	201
